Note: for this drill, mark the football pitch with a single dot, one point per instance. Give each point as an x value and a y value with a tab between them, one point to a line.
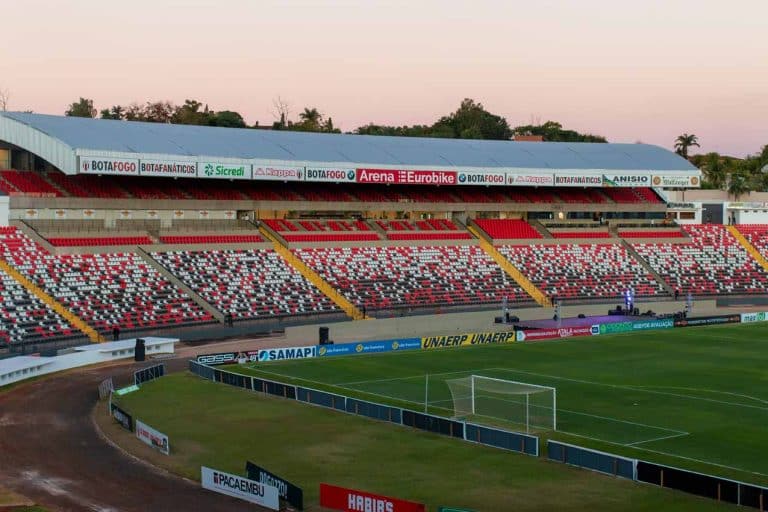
694	398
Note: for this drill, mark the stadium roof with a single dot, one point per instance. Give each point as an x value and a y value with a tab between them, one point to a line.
60	140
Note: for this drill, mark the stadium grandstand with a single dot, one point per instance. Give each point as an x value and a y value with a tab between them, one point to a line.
155	227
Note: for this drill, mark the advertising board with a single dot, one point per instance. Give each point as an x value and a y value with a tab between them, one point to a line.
177	169
530	179
748	318
122	417
578	180
676	181
463	340
496	178
278	173
152	437
369	347
708	320
228	357
293	494
329	174
240	487
102	165
642	325
627	179
406	177
278	354
219	170
351	500
549	334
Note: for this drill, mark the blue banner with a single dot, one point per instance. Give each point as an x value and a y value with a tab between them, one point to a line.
369	347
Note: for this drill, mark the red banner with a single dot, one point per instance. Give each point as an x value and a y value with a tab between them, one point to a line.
406	177
350	500
549	334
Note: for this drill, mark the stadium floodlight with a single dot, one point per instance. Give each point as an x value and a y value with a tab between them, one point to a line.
520	403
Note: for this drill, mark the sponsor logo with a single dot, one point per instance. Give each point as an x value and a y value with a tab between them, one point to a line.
161	168
213	170
530	179
675	181
293	494
278	173
152	437
549	334
753	317
214	359
122	417
351	500
463	340
359	503
330	174
369	347
594	330
279	354
708	320
626	180
481	178
578	180
406	177
108	166
240	487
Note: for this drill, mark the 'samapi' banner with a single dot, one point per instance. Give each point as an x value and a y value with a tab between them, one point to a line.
278	354
350	500
239	487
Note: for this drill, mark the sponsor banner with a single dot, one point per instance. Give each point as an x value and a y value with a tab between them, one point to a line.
177	169
240	487
122	417
278	354
534	180
126	390
332	174
228	358
369	347
293	494
748	318
350	500
643	325
676	181
549	334
100	165
406	177
708	320
578	180
482	178
219	170
152	437
627	179
278	173
463	340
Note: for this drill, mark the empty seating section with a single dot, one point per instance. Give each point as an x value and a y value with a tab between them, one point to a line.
581	234
757	235
657	233
631	195
712	263
24	318
507	228
211	239
427	229
322	230
418	276
250	284
103	187
28	182
103	289
99	241
582	271
434	235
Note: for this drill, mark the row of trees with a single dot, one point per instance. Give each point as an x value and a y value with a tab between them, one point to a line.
470	121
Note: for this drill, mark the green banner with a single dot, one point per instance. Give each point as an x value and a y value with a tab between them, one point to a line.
637	325
126	390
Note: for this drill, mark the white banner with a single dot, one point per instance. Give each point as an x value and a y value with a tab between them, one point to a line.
278	173
278	354
240	487
535	180
748	318
578	180
168	168
482	178
100	165
152	437
223	171
627	179
332	174
676	181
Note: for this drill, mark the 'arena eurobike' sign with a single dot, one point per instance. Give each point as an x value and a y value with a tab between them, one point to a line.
279	354
634	179
99	165
240	487
278	173
220	170
481	178
176	169
329	174
578	180
530	180
406	177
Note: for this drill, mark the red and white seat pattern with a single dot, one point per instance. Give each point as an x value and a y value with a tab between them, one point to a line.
418	276
24	318
713	263
249	284
582	271
757	235
104	290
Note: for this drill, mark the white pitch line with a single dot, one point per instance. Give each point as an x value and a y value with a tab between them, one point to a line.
705	391
374	381
681	434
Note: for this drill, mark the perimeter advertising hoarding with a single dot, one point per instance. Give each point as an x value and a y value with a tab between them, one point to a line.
278	173
463	340
152	437
550	334
578	180
676	181
481	178
406	177
176	169
329	174
530	179
228	357
122	417
351	500
240	487
293	494
708	320
627	179
102	165
643	325
369	347
223	171
748	318
279	354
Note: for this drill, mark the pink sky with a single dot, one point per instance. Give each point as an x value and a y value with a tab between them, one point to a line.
643	70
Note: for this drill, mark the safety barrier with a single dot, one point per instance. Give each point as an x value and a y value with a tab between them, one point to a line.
592	459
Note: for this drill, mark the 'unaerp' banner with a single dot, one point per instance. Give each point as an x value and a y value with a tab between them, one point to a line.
463	340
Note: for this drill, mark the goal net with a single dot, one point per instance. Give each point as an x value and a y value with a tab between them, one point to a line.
530	406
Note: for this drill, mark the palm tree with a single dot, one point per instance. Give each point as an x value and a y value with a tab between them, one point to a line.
715	171
685	141
311	118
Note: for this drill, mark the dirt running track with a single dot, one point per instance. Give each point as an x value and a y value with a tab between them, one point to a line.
51	452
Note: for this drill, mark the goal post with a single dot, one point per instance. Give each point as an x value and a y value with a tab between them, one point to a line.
530	406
